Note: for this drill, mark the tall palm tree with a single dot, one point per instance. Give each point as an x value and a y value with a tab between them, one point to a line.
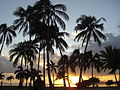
110	58
2	77
7	34
53	69
20	75
89	27
50	15
9	78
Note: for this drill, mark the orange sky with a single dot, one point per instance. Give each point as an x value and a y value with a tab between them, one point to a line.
73	79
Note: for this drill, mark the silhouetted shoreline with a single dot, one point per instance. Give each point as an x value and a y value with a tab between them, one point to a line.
61	88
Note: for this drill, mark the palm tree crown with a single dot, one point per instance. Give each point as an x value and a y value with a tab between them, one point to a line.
89	26
6	35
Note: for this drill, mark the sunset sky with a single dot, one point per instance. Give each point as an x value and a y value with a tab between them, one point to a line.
109	9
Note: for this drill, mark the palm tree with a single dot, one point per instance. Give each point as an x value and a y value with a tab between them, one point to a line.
22	52
49	14
110	58
57	40
9	78
77	59
63	68
24	19
92	61
7	34
2	77
89	27
53	69
20	75
26	75
33	74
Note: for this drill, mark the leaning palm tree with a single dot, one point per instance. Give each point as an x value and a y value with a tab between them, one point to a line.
20	75
2	77
9	78
111	60
7	34
89	27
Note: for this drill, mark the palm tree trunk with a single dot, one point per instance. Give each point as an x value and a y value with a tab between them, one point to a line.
92	73
2	46
39	59
44	66
116	78
22	62
21	83
53	78
119	75
86	46
64	82
26	82
49	76
68	74
68	78
80	76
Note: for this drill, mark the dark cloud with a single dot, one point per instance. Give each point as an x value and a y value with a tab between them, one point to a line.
111	40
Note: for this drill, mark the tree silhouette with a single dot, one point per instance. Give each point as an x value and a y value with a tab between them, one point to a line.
63	69
23	52
50	13
89	27
94	81
77	59
20	75
2	76
110	58
109	83
26	75
7	34
53	69
9	78
93	61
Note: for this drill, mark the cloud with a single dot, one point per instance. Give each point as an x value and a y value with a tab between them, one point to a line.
5	65
111	40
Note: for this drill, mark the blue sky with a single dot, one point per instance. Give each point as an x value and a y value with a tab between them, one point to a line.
109	9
